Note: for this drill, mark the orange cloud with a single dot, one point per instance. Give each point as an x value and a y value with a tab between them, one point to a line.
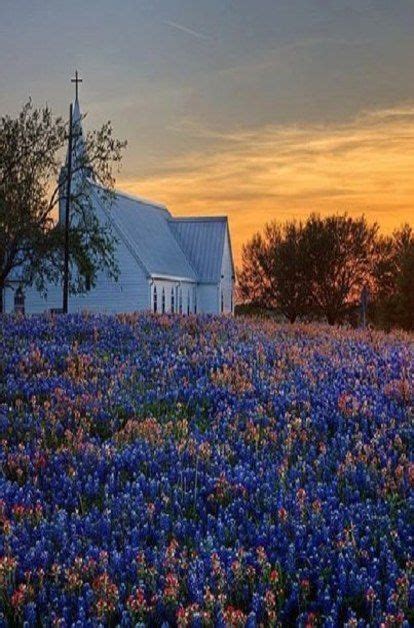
275	172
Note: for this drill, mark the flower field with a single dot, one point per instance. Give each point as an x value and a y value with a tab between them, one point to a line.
204	472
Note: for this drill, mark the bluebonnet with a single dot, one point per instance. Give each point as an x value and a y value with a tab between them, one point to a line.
200	471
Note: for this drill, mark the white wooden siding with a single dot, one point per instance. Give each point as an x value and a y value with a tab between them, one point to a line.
208	298
226	283
129	294
134	289
186	288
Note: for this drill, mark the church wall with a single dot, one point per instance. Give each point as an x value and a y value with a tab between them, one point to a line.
227	282
187	291
134	290
207	298
209	295
130	293
35	303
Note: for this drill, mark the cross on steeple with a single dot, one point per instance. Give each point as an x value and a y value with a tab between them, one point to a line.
76	80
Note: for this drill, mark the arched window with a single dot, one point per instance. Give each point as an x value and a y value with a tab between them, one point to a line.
155	300
163	301
19	301
181	301
222	302
188	301
172	300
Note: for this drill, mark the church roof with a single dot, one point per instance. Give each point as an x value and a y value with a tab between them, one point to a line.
203	241
187	249
144	226
181	248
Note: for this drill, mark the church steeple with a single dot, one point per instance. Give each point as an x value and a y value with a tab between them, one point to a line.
79	157
80	168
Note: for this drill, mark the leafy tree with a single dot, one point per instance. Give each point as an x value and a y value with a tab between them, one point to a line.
255	279
339	254
273	271
316	269
31	244
254	283
405	291
394	280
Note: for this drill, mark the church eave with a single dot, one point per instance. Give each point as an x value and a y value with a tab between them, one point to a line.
172	278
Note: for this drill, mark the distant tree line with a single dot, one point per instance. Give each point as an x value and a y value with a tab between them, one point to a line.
320	268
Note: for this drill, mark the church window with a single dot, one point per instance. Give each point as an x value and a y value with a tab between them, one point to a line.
19	301
222	301
155	301
188	301
172	300
163	301
181	300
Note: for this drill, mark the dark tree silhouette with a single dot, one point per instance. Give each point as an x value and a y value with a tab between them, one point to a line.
272	273
316	269
394	280
339	254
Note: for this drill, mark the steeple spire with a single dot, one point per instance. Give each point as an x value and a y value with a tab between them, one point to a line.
76	80
79	161
78	139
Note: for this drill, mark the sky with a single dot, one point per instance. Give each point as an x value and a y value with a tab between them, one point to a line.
258	109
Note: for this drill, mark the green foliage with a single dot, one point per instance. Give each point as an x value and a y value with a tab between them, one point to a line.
31	150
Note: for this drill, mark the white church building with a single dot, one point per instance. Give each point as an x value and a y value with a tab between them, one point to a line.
166	263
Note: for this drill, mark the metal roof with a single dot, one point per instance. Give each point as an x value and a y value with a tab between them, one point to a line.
188	249
203	241
145	229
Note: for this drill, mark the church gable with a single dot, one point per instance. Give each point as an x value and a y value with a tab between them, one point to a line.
203	240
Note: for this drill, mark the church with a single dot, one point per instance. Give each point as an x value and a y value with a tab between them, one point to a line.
166	264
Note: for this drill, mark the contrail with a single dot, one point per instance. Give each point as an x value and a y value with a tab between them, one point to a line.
184	29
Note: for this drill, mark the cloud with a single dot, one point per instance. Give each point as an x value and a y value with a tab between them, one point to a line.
278	55
185	29
283	172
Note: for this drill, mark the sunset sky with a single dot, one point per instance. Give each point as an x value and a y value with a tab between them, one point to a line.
258	109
